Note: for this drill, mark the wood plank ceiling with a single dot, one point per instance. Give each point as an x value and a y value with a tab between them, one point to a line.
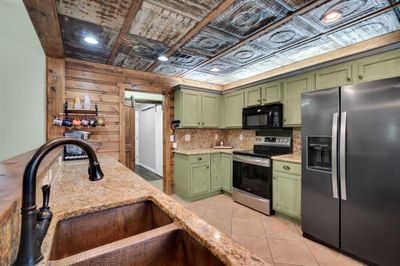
238	38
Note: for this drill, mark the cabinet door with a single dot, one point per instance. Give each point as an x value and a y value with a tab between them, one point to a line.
252	96
293	88
209	110
271	93
287	194
378	67
199	179
215	172
191	106
335	76
233	109
226	172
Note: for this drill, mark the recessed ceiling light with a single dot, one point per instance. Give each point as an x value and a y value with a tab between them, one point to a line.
90	40
332	16
163	58
214	69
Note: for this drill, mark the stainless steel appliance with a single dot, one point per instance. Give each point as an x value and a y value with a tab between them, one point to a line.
262	117
350	169
252	171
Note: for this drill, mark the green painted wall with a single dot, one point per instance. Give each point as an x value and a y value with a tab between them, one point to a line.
22	82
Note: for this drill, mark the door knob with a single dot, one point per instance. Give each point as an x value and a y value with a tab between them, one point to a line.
286	167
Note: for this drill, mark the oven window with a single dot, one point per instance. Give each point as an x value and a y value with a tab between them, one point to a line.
256	120
253	179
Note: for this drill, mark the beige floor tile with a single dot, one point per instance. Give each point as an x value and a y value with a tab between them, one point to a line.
291	252
256	244
328	257
277	227
222	224
178	199
243	212
247	227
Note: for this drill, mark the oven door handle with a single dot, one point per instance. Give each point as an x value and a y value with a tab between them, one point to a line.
251	160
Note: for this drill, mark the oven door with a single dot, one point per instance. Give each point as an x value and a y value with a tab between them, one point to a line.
252	175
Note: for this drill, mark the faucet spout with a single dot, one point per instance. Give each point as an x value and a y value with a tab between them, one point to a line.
34	223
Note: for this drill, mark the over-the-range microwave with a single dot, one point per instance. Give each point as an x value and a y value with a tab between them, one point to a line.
263	117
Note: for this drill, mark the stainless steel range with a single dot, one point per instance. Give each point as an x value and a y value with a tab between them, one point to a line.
252	171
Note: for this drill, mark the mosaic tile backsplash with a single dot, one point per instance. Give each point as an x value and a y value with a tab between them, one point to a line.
206	138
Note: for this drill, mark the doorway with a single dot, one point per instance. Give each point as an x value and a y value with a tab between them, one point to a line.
148	136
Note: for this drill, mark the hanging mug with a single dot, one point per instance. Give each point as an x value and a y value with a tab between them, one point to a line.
57	121
93	122
76	122
67	122
101	121
85	122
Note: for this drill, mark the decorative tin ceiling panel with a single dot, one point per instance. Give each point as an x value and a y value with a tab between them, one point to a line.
161	24
132	44
186	60
247	54
210	42
73	32
293	5
132	61
245	17
106	13
290	33
349	10
169	70
222	66
368	29
195	9
310	49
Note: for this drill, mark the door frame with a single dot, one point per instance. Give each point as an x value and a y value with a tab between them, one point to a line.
167	106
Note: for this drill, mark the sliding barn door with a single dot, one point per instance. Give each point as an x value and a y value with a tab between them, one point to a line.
129	121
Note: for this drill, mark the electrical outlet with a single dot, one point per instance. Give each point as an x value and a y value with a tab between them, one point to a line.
187	137
241	137
174	145
172	138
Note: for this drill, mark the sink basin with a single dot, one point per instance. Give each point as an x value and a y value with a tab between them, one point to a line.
88	231
167	245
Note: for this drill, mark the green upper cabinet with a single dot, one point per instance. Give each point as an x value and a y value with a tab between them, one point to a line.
252	96
334	76
377	67
209	110
215	172
226	172
292	89
196	109
233	105
271	92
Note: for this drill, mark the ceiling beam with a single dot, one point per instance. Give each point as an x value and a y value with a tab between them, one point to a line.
364	46
258	34
198	27
130	17
43	15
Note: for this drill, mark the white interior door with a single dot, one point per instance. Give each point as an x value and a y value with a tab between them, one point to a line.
159	140
137	137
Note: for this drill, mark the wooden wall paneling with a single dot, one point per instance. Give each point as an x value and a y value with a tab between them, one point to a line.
44	18
55	89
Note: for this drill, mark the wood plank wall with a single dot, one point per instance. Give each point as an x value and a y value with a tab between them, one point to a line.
106	85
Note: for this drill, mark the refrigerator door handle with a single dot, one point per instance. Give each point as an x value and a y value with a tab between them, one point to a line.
343	124
334	155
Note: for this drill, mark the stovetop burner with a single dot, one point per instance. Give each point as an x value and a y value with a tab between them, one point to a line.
259	154
267	146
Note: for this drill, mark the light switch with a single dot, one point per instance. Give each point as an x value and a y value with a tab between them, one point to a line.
187	137
241	137
171	138
174	145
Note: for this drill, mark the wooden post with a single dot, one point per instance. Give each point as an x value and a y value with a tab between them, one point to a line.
168	168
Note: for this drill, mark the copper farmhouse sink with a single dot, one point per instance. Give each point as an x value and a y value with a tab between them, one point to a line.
91	230
137	234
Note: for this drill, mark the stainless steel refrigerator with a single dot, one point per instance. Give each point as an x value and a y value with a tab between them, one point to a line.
351	169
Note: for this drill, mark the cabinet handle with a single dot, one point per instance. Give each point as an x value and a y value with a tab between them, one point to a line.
199	159
348	79
286	167
360	77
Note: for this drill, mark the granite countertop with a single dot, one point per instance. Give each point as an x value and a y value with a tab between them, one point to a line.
73	194
202	151
293	157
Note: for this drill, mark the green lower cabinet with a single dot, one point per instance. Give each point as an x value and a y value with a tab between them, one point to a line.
215	172
203	175
226	172
286	189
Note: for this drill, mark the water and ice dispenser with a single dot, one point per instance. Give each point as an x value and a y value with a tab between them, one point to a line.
319	153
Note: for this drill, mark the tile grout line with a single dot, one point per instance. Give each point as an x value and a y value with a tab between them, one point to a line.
269	245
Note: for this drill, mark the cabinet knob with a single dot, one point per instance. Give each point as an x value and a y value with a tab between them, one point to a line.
199	159
202	123
259	100
264	99
286	167
208	167
360	77
348	79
